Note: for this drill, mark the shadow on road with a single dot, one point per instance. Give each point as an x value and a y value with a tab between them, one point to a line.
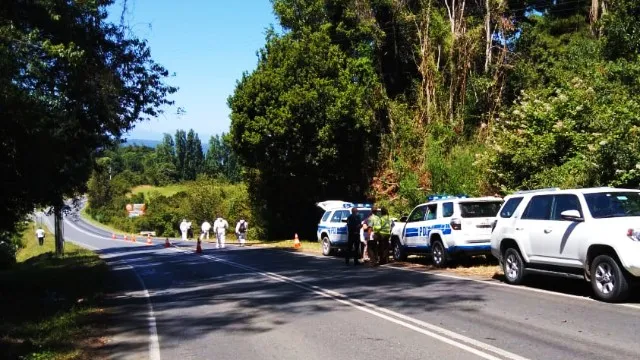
198	297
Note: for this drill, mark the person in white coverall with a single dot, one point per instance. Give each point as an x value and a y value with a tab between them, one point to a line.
220	227
206	227
241	231
184	228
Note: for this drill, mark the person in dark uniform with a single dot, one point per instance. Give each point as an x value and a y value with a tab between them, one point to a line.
353	241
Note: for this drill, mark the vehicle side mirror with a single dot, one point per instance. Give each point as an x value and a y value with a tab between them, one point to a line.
403	219
571	215
344	220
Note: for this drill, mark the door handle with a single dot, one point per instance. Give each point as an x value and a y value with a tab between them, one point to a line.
546	231
519	229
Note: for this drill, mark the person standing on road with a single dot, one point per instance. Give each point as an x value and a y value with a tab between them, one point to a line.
241	231
220	227
184	228
206	227
353	241
385	234
373	226
40	236
364	239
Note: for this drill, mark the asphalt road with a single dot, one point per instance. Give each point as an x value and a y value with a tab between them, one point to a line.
246	303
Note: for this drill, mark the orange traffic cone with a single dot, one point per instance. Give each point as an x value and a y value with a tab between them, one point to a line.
166	243
296	241
198	248
149	239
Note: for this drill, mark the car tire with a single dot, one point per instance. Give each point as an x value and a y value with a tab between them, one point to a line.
326	246
438	254
398	252
608	280
513	266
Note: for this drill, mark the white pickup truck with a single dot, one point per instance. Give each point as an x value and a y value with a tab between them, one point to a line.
446	226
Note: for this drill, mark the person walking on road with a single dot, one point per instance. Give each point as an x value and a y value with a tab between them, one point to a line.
40	236
184	228
206	227
241	231
220	227
353	241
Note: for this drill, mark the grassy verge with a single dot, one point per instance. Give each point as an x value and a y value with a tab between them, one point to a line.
86	217
162	190
49	306
476	268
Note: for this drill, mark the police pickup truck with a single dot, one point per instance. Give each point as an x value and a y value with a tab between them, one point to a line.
446	226
332	228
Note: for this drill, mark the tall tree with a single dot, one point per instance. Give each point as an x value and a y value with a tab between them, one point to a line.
70	84
181	153
215	156
307	121
193	156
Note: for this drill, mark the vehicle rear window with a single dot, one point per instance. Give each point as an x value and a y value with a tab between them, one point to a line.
363	214
479	209
447	209
510	207
613	204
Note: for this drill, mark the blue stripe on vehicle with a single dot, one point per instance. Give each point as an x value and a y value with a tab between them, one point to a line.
470	248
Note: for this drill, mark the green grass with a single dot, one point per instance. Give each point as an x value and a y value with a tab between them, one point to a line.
305	246
50	306
85	216
162	190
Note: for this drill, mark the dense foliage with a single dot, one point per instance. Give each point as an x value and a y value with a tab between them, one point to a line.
213	189
395	99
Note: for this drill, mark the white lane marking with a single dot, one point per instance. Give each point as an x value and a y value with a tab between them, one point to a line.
74	226
154	342
433	331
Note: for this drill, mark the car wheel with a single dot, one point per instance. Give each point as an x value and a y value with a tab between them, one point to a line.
608	281
398	251
513	266
326	246
438	254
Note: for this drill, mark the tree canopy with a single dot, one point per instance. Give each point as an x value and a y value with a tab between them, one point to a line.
71	84
391	100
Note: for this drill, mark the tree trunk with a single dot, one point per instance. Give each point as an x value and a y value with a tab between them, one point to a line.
487	28
59	230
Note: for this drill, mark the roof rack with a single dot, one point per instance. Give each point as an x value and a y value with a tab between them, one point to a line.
537	190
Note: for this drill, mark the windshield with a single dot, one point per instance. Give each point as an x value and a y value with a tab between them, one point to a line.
613	204
479	209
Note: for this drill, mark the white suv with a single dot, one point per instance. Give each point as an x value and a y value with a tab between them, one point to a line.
591	233
332	228
446	226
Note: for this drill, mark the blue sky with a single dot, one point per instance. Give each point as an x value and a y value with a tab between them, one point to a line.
207	44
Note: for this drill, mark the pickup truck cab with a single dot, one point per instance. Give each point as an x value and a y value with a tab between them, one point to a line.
332	228
445	227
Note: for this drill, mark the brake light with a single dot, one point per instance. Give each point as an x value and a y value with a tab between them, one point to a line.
456	224
630	232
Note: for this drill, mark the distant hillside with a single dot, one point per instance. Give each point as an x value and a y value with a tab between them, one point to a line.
142	142
154	143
